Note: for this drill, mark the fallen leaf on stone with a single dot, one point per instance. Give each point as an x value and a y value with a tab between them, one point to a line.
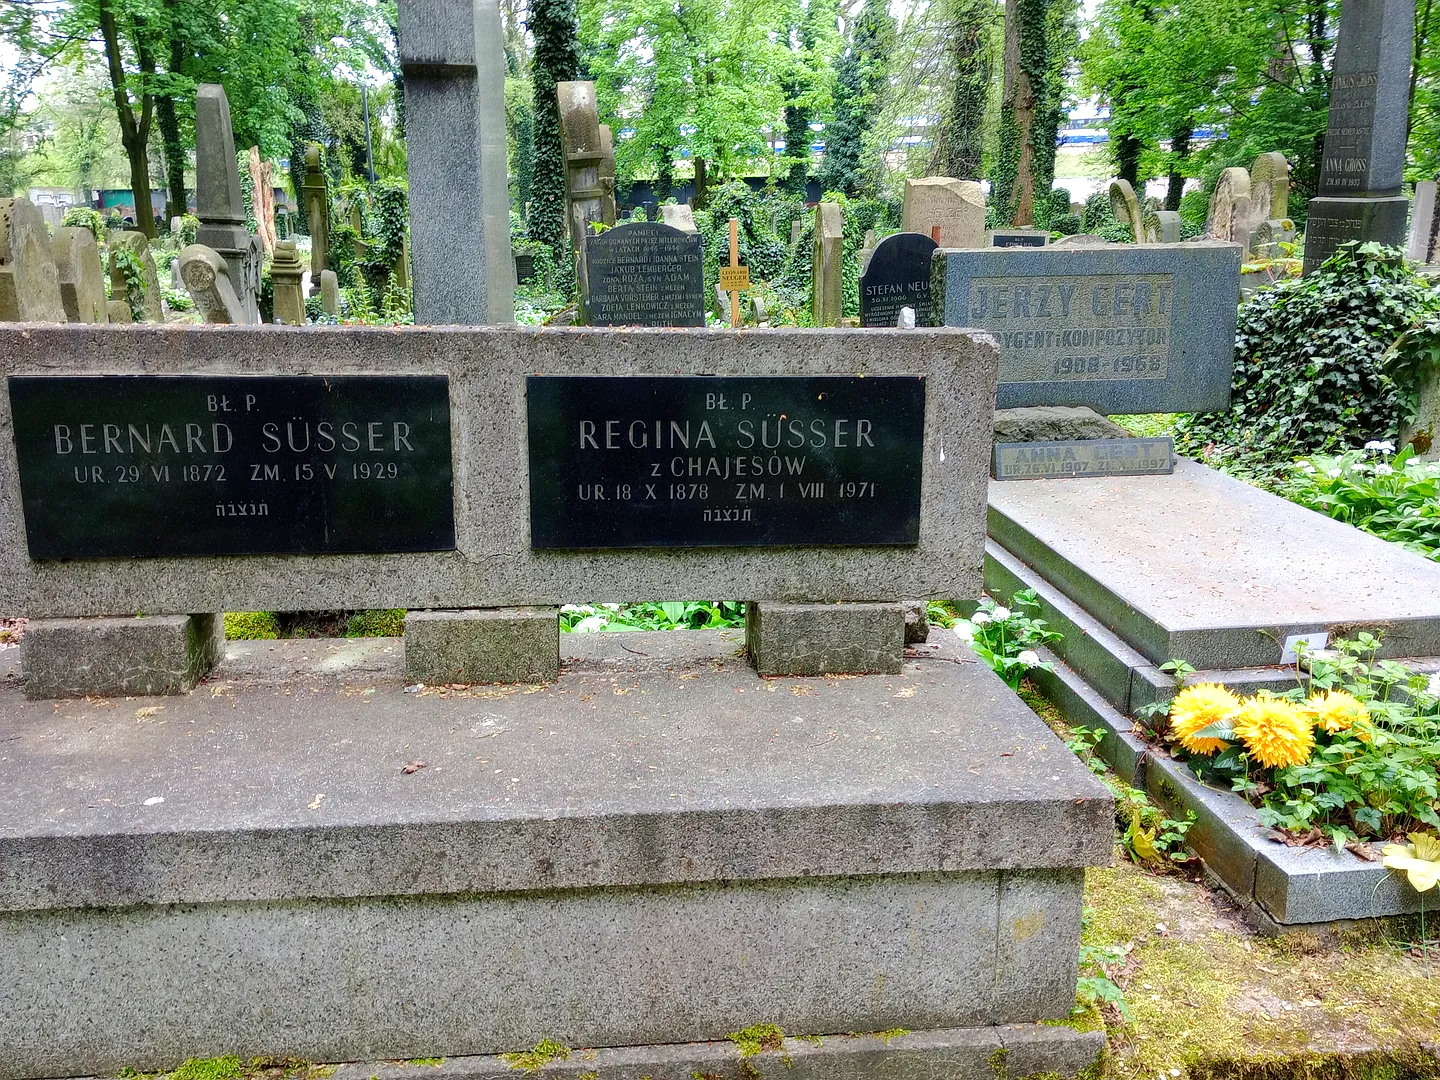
803	691
414	688
413	767
148	710
318	800
908	691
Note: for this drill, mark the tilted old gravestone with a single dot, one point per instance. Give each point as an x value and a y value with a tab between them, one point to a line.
454	64
136	245
1118	328
207	279
898	276
1125	205
81	275
1358	196
827	285
219	203
645	274
29	284
957	207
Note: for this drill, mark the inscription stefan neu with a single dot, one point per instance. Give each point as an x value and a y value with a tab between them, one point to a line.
686	461
153	465
1087	328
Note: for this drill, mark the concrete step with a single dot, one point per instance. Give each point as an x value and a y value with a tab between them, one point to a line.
1201	567
660	847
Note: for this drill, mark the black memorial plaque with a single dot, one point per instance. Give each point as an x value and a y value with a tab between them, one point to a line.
724	461
152	465
1019	240
898	276
644	274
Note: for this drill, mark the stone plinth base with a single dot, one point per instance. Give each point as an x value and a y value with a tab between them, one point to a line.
493	645
819	639
1336	221
119	657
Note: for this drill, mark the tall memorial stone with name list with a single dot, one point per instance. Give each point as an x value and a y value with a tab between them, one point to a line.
1359	197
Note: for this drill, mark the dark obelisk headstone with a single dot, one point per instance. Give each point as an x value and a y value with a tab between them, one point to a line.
898	277
454	65
1358	197
645	274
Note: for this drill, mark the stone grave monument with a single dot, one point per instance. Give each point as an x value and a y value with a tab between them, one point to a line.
29	284
587	199
315	192
286	274
956	206
827	297
207	279
644	274
218	199
616	865
898	277
137	244
1358	197
1424	245
454	64
678	216
1127	210
330	293
81	275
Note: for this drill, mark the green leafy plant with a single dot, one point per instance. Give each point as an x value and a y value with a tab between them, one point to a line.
1095	987
1394	496
687	615
1006	637
1148	836
82	217
132	270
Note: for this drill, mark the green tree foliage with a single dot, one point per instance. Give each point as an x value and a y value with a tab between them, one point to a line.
1039	38
556	59
520	139
969	36
697	76
1257	72
862	77
807	85
1425	94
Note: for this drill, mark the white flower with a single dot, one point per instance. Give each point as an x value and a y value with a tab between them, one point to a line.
1433	686
611	607
1359	467
1383	470
1385	447
1332	472
965	633
1304	466
1000	614
979	619
592	622
1029	657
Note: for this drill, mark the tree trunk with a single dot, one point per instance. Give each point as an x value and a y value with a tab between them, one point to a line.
960	144
1024	19
1179	150
175	201
134	134
702	185
1127	159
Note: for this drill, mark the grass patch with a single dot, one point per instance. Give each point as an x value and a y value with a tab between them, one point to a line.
1149	425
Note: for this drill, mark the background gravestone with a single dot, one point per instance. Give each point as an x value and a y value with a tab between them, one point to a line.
1358	197
29	285
207	279
588	199
1017	238
645	274
1120	328
957	206
1126	208
286	273
679	216
316	194
454	67
898	276
138	245
218	202
1424	226
827	299
81	275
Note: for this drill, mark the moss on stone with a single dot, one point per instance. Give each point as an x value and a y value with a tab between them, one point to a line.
543	1053
757	1037
251	626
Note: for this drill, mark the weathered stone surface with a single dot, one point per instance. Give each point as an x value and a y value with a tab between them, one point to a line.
454	65
150	299
158	654
286	273
1043	423
819	639
315	194
497	645
1270	187
1424	246
118	313
678	216
1120	328
207	279
1336	221
994	1053
1228	570
329	292
29	285
494	565
219	203
827	296
917	623
1082	240
1127	210
1230	215
956	206
81	275
1168	227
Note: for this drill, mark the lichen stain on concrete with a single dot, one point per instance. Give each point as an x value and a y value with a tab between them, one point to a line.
1027	926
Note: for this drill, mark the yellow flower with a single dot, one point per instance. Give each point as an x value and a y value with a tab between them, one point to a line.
1198	707
1335	710
1275	732
1420	859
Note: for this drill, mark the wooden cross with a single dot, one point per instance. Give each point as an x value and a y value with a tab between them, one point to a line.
734	277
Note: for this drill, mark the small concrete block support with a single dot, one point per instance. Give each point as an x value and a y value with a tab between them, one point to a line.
483	645
821	639
119	657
